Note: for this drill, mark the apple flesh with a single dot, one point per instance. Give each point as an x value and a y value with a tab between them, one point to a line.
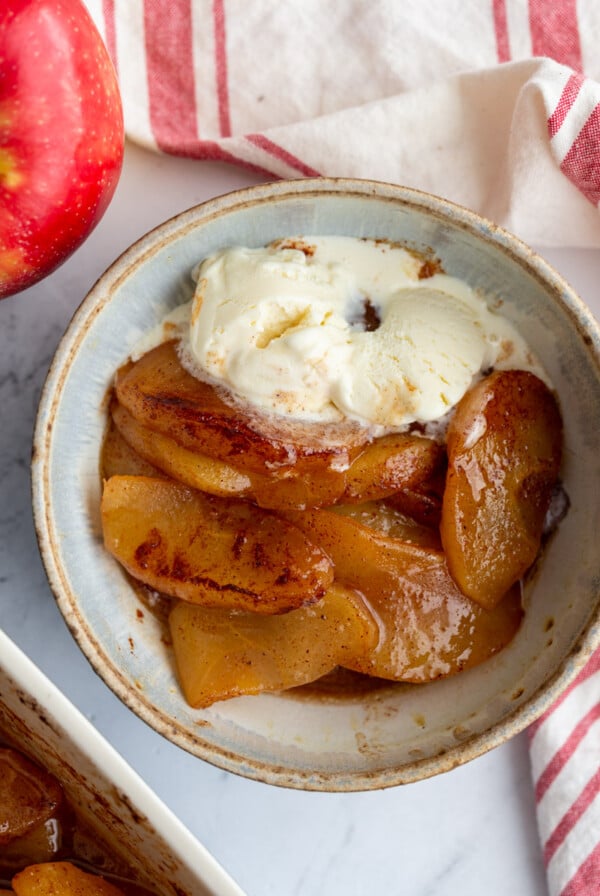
429	629
222	653
162	395
61	879
61	136
29	796
504	453
219	552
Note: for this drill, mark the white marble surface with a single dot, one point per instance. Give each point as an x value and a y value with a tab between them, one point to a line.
470	831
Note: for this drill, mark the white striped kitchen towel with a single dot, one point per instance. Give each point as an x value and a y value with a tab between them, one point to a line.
494	104
565	761
491	103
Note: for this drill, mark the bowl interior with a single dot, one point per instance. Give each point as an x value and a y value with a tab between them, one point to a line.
392	734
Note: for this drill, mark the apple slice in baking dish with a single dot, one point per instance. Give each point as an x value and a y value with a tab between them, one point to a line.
504	451
61	879
31	808
219	552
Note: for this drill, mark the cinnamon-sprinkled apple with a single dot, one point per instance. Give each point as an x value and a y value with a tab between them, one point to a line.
166	455
61	879
221	654
384	466
163	396
219	552
504	452
29	796
429	629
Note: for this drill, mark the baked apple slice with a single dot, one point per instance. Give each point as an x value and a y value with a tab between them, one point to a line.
193	469
162	395
429	629
391	464
383	467
221	654
211	475
504	452
219	552
423	500
29	796
422	504
118	458
61	879
385	518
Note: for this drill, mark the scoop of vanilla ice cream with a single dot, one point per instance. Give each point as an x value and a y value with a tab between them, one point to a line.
270	325
418	364
327	328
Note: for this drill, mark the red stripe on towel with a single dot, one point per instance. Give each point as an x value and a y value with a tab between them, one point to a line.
555	31
572	816
221	67
278	152
567	98
566	751
110	29
582	162
591	667
501	30
170	73
209	150
586	880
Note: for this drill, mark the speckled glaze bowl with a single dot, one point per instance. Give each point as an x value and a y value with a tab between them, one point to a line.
394	734
125	814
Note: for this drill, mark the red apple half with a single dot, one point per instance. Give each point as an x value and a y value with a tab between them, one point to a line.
61	135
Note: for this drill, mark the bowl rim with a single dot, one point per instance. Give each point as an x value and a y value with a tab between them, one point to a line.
514	722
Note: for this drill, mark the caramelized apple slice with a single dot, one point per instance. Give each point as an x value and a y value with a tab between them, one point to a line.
29	796
423	500
197	470
162	395
428	628
390	464
61	879
504	450
383	467
213	551
221	654
386	519
118	458
422	504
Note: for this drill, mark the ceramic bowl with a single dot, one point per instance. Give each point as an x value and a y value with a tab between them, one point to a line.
395	734
125	814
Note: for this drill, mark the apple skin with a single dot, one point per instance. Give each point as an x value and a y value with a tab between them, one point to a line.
61	135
